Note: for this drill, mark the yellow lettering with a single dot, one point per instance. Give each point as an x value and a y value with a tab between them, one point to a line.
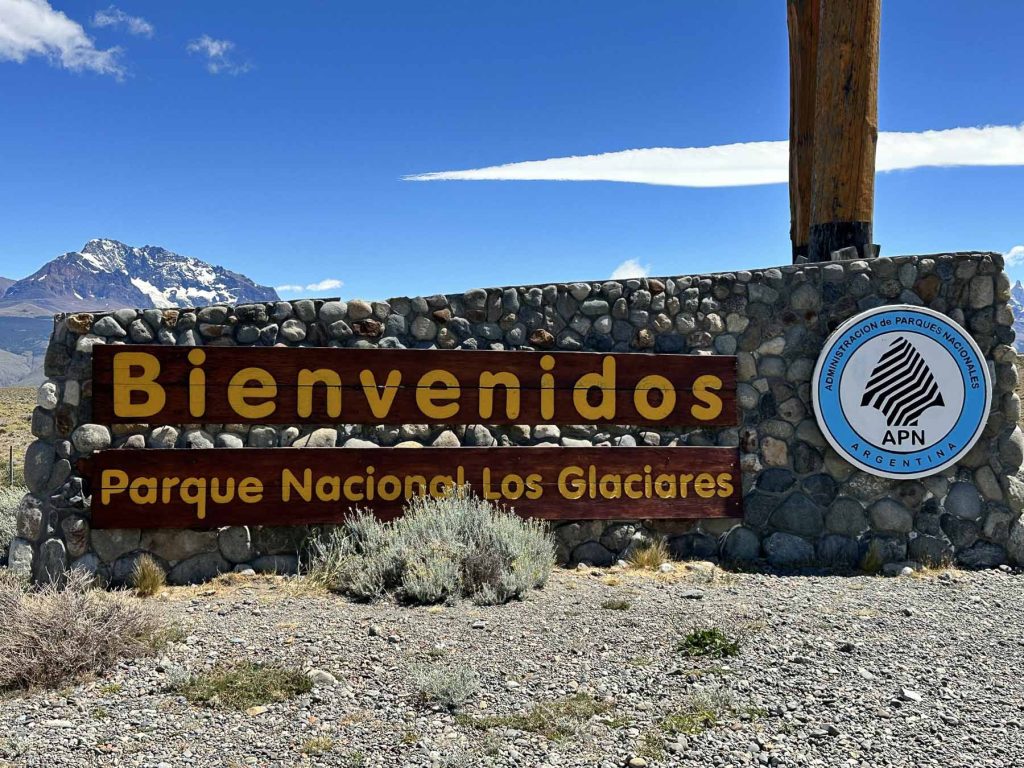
112	481
610	486
488	382
250	490
240	392
547	388
571	483
197	383
705	485
725	487
427	397
289	483
380	402
193	491
642	397
126	384
351	494
143	491
228	493
534	489
328	488
307	379
629	486
604	382
389	488
702	387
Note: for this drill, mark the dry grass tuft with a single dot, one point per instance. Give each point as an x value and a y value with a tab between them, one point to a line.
54	635
554	720
148	578
245	685
650	556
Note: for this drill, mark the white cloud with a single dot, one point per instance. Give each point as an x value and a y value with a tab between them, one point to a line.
752	163
630	268
219	55
328	284
115	17
1015	256
34	28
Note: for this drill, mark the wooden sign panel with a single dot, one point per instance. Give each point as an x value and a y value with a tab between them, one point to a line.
326	385
302	486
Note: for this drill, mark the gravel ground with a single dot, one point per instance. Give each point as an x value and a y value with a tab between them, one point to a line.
833	671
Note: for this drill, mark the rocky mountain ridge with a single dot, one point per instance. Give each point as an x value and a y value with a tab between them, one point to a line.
106	274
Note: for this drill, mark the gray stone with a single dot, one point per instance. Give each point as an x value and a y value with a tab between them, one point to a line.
197	438
262	437
331	312
838	551
140	332
798	515
324	437
359	310
91	437
29	519
447	439
178	544
889	515
46	396
982	554
75	529
163	437
276	564
19	558
236	543
592	553
741	545
1011	450
199	568
108	327
424	329
618	536
1015	543
39	459
293	330
228	440
53	561
963	501
112	543
787	550
930	550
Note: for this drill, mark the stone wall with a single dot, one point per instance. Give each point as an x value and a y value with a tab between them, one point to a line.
803	504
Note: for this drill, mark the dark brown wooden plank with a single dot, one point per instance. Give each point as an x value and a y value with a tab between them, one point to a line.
220	364
680	482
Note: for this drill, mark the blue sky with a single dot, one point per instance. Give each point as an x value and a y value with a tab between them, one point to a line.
273	137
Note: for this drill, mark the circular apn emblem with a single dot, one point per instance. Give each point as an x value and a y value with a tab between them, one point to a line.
901	391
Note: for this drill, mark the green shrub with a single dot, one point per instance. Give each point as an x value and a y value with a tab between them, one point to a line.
52	635
615	604
449	686
442	548
710	642
703	710
244	685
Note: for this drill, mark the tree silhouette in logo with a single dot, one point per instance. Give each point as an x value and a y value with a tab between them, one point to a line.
902	385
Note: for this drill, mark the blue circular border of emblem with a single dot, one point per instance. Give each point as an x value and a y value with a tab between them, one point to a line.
877	322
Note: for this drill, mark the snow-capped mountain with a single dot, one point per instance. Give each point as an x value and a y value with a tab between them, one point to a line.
1017	305
107	274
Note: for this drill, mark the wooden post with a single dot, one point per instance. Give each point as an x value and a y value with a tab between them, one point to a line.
845	127
802	20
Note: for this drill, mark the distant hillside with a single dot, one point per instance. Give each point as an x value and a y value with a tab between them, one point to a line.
105	274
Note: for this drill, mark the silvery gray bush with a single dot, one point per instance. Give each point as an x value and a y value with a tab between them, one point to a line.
442	548
10	497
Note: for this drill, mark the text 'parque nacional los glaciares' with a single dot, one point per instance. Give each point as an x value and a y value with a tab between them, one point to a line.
173	385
